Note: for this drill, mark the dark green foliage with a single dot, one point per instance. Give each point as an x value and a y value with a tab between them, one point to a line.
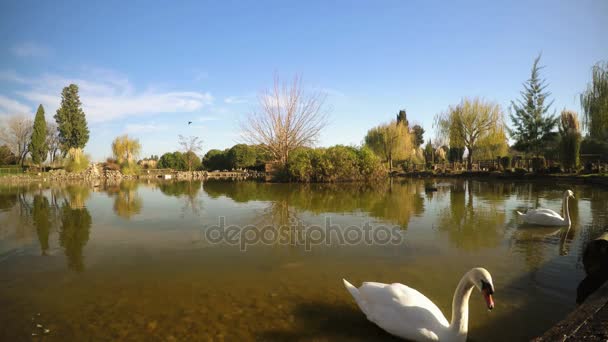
74	235
38	147
429	153
402	118
334	164
71	120
551	145
455	154
531	120
216	160
505	162
538	164
242	156
595	148
42	222
6	156
418	132
173	161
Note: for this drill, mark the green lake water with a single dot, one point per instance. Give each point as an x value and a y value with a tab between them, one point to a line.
137	261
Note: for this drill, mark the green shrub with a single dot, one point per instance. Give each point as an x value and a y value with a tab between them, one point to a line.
173	161
76	160
505	162
130	169
334	164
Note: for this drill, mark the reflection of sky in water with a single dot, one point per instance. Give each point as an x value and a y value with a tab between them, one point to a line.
143	232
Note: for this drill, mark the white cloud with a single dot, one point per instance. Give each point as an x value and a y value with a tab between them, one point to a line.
108	97
236	99
144	128
30	49
9	106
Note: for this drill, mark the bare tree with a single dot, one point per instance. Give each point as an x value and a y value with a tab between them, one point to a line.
52	140
191	146
16	133
287	118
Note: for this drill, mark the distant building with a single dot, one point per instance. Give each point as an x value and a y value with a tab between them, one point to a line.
148	163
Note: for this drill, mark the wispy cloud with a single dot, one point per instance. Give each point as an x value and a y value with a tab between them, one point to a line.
108	96
10	106
237	99
144	128
30	49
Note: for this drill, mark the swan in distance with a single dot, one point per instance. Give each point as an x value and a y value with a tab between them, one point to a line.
548	217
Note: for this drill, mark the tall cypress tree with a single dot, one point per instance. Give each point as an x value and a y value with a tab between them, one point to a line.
531	121
71	120
38	147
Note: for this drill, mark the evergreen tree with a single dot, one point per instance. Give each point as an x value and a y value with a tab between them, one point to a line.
38	146
402	118
531	120
418	132
71	120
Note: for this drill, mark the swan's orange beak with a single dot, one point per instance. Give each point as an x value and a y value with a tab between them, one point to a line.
488	297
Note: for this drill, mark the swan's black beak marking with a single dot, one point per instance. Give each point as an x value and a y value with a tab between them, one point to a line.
487	291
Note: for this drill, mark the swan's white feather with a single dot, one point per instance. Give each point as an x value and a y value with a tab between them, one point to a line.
401	311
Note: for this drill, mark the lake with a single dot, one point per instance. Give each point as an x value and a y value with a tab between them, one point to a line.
149	260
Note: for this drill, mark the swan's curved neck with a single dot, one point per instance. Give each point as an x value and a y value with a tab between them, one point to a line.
565	209
460	307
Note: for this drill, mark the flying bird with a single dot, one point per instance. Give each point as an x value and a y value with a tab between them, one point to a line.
189	122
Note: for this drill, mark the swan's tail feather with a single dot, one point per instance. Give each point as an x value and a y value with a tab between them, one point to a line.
353	290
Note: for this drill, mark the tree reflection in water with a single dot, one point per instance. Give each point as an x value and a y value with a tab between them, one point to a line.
186	190
74	234
127	201
472	227
396	202
42	221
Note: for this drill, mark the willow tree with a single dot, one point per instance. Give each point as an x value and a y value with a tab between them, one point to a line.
470	124
125	149
570	143
287	118
594	101
390	141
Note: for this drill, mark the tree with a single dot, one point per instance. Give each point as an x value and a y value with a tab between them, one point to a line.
7	157
594	101
242	156
38	146
125	149
216	160
402	118
71	120
52	140
418	133
469	124
41	218
570	144
530	119
16	134
173	161
191	146
429	153
390	141
287	118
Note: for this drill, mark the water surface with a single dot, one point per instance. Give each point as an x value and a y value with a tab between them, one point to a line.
132	261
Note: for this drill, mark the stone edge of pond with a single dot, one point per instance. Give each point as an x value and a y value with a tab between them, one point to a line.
587	322
594	179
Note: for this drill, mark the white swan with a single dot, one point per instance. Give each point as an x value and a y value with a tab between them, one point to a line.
548	217
407	313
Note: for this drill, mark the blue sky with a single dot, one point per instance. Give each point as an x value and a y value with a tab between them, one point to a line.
147	68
